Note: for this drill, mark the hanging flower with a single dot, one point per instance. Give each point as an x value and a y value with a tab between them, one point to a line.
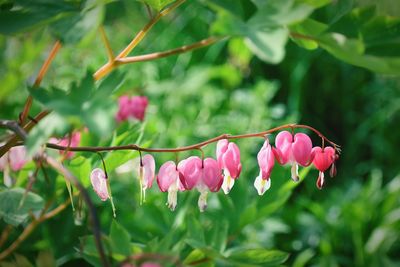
146	172
266	161
323	159
293	150
131	107
99	182
67	141
168	180
204	175
228	156
15	158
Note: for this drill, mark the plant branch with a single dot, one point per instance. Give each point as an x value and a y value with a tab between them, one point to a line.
182	49
14	126
110	65
15	138
29	229
194	146
110	53
92	211
39	78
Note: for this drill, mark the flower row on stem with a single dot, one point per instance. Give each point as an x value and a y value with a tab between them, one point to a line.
207	174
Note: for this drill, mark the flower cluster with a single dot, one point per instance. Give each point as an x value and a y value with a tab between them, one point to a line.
69	141
210	175
131	108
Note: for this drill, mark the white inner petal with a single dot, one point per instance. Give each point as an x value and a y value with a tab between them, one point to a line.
295	172
203	197
262	185
228	182
172	196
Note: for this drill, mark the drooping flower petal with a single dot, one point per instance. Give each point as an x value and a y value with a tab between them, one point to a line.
302	147
17	157
266	161
283	143
191	172
262	185
168	180
138	107
146	172
228	156
99	183
212	176
323	158
124	111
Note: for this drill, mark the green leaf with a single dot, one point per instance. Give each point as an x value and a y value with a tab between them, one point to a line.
15	208
157	4
31	14
258	256
120	240
45	259
53	123
194	256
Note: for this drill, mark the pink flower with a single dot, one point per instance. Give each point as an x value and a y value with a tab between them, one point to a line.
323	159
150	264
134	107
168	180
266	161
293	150
228	156
146	171
204	176
15	158
99	182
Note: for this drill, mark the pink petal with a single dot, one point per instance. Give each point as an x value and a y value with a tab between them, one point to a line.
149	167
323	158
75	140
222	146
138	107
212	176
266	160
17	157
190	172
302	147
283	142
99	183
167	175
124	111
231	160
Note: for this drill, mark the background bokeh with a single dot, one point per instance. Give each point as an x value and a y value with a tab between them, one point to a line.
353	221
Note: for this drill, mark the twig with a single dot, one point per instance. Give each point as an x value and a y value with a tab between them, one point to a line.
182	49
14	126
110	65
190	147
39	78
92	211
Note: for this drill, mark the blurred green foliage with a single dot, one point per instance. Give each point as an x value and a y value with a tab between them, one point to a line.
229	87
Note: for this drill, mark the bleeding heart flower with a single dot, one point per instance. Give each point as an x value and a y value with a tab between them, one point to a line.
168	180
138	107
15	158
293	150
134	107
67	141
323	159
205	176
146	171
228	156
99	182
266	161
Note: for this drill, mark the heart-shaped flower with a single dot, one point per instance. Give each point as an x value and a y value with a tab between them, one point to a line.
323	158
168	180
228	156
146	167
99	182
266	161
294	150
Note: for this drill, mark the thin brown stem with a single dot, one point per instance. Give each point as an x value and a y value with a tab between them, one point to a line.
39	78
182	49
110	53
190	147
110	65
29	229
4	235
15	138
297	35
